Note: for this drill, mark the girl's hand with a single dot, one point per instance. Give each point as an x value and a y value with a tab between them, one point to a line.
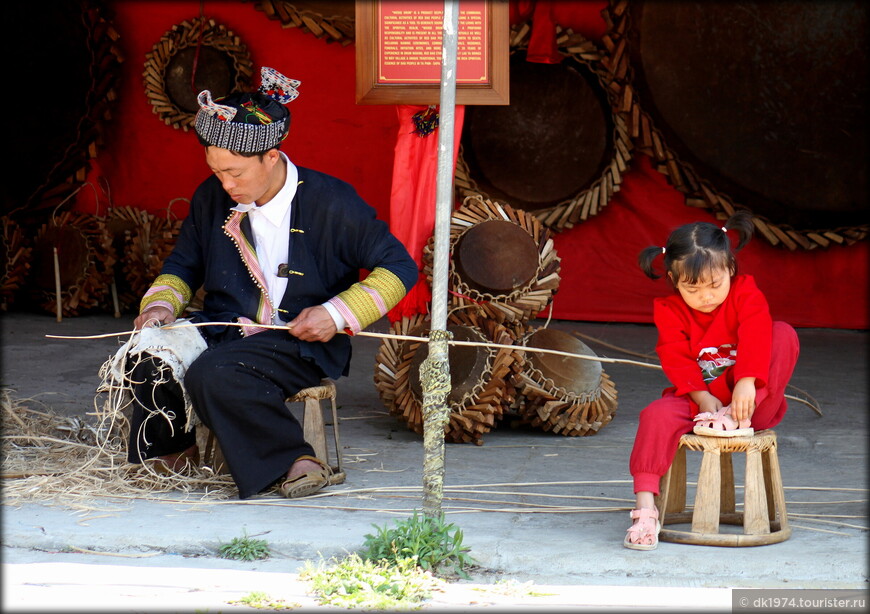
743	399
706	401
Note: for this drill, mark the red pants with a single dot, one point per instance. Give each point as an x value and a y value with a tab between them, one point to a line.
665	420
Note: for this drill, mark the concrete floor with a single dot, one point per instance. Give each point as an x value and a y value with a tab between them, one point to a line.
501	494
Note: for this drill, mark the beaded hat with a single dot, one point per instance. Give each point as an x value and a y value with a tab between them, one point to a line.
248	122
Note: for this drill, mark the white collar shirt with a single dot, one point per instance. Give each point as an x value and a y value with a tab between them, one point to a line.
270	224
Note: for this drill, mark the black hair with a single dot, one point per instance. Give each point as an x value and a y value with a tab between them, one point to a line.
694	249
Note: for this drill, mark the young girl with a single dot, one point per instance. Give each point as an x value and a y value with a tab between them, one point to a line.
728	363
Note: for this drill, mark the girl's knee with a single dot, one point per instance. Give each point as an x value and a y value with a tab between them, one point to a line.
664	408
785	336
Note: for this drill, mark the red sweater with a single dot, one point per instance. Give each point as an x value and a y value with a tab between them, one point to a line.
691	342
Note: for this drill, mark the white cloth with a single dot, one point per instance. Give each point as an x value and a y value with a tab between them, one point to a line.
175	344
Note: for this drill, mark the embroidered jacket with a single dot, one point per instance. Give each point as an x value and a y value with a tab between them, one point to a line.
333	235
696	348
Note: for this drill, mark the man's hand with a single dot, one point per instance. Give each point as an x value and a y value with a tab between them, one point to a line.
313	324
154	316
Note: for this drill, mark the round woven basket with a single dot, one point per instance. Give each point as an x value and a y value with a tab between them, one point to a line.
503	264
85	258
145	240
566	395
733	122
199	52
481	389
561	146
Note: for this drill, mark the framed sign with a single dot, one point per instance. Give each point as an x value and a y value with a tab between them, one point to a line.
398	52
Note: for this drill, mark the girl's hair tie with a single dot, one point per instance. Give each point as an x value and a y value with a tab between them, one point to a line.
664	251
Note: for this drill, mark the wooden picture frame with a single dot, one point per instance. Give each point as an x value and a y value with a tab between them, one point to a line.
385	76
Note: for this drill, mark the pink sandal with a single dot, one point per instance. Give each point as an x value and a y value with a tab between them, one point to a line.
721	424
644	533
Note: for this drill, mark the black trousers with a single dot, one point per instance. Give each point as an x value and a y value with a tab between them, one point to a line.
238	388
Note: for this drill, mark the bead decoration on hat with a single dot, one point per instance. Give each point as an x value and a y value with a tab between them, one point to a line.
220	111
277	86
251	122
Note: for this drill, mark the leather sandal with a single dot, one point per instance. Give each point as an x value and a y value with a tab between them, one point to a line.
721	424
307	483
644	533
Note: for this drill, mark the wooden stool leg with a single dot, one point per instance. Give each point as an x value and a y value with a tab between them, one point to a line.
335	437
672	488
210	450
663	501
313	429
778	492
678	482
755	520
768	486
705	518
727	503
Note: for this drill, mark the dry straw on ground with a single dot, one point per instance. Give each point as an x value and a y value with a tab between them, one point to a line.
82	464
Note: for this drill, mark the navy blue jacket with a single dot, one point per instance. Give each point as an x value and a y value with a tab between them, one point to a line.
334	234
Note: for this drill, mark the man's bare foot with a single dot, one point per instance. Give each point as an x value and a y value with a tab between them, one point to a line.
301	467
307	476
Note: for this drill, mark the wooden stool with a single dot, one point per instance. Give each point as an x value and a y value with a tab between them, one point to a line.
313	427
764	519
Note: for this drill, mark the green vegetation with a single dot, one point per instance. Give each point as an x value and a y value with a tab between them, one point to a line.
431	543
365	584
245	549
262	601
397	568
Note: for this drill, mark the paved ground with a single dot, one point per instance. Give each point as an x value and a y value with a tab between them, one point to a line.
533	506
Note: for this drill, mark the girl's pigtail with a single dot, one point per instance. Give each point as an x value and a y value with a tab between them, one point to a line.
646	258
741	222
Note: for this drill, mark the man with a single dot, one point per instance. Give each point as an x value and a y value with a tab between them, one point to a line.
271	244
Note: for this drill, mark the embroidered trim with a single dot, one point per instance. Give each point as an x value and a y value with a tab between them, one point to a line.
247	331
233	229
367	301
169	291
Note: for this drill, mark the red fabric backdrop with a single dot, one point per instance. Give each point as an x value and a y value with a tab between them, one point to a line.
146	164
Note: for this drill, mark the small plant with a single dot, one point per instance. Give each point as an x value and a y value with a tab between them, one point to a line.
512	588
432	543
381	586
245	549
262	601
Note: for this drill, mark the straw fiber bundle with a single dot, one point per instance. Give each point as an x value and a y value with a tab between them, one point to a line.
79	464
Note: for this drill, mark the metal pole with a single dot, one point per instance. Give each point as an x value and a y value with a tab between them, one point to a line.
435	370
